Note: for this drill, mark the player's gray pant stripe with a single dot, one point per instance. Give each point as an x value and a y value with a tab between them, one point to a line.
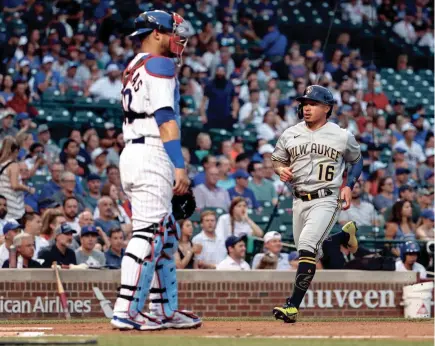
330	224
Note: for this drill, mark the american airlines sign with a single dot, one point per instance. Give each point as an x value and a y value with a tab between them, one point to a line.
355	299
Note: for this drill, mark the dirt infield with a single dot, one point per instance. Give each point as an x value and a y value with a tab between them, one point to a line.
359	329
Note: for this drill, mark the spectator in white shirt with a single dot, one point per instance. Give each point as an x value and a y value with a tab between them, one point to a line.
354	12
213	247
272	245
408	262
268	129
427	40
237	221
10	230
71	211
236	250
251	112
363	213
405	29
414	151
108	87
212	55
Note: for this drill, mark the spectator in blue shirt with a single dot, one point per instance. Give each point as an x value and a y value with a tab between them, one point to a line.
106	220
241	189
207	162
274	44
223	103
116	251
47	79
226	38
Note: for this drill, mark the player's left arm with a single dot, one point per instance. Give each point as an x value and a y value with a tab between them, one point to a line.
352	156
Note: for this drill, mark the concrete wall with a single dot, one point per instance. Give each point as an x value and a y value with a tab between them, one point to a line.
33	293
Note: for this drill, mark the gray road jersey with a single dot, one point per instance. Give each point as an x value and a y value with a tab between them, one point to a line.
317	158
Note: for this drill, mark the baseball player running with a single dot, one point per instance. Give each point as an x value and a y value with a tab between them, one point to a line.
312	156
149	164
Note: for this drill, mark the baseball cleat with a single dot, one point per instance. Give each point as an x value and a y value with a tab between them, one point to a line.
351	229
182	319
140	322
287	313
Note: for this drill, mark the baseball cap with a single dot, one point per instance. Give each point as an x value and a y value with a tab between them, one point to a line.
112	67
415	117
22	116
64	229
97	152
93	176
428	214
109	126
88	230
24	62
233	240
48	203
400	150
377	165
408	127
428	174
42	128
271	235
265	149
47	59
240	173
90	56
72	64
10	226
6	113
404	188
238	139
402	170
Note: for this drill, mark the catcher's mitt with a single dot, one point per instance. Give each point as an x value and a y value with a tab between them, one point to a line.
183	206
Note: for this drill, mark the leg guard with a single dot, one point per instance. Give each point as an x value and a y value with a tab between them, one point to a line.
137	271
164	291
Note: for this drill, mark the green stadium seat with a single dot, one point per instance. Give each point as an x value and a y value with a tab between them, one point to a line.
38	181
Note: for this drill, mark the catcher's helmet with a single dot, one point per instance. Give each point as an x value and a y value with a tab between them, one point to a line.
409	247
164	22
316	93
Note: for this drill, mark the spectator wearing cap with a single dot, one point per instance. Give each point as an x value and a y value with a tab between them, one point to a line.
83	73
94	191
426	231
220	104
36	17
208	194
51	150
68	183
429	177
236	250
225	180
252	112
385	195
87	253
414	151
99	162
25	251
47	79
399	161
71	82
207	162
262	188
363	213
10	230
116	250
401	179
7	123
213	247
59	251
422	125
405	29
241	189
273	245
108	87
426	166
377	172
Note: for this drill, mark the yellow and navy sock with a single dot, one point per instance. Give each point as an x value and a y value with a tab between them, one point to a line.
304	276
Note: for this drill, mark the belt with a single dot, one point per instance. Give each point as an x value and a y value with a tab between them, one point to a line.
309	196
131	116
140	140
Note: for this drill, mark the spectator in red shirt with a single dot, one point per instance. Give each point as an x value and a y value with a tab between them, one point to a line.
377	96
20	101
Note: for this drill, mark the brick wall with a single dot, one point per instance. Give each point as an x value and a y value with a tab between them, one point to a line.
209	294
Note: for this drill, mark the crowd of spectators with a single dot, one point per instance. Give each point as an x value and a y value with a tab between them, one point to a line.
230	78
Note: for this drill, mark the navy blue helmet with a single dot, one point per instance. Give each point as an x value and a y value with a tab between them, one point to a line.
316	93
409	247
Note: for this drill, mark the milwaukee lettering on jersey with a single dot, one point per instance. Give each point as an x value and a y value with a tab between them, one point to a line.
314	148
